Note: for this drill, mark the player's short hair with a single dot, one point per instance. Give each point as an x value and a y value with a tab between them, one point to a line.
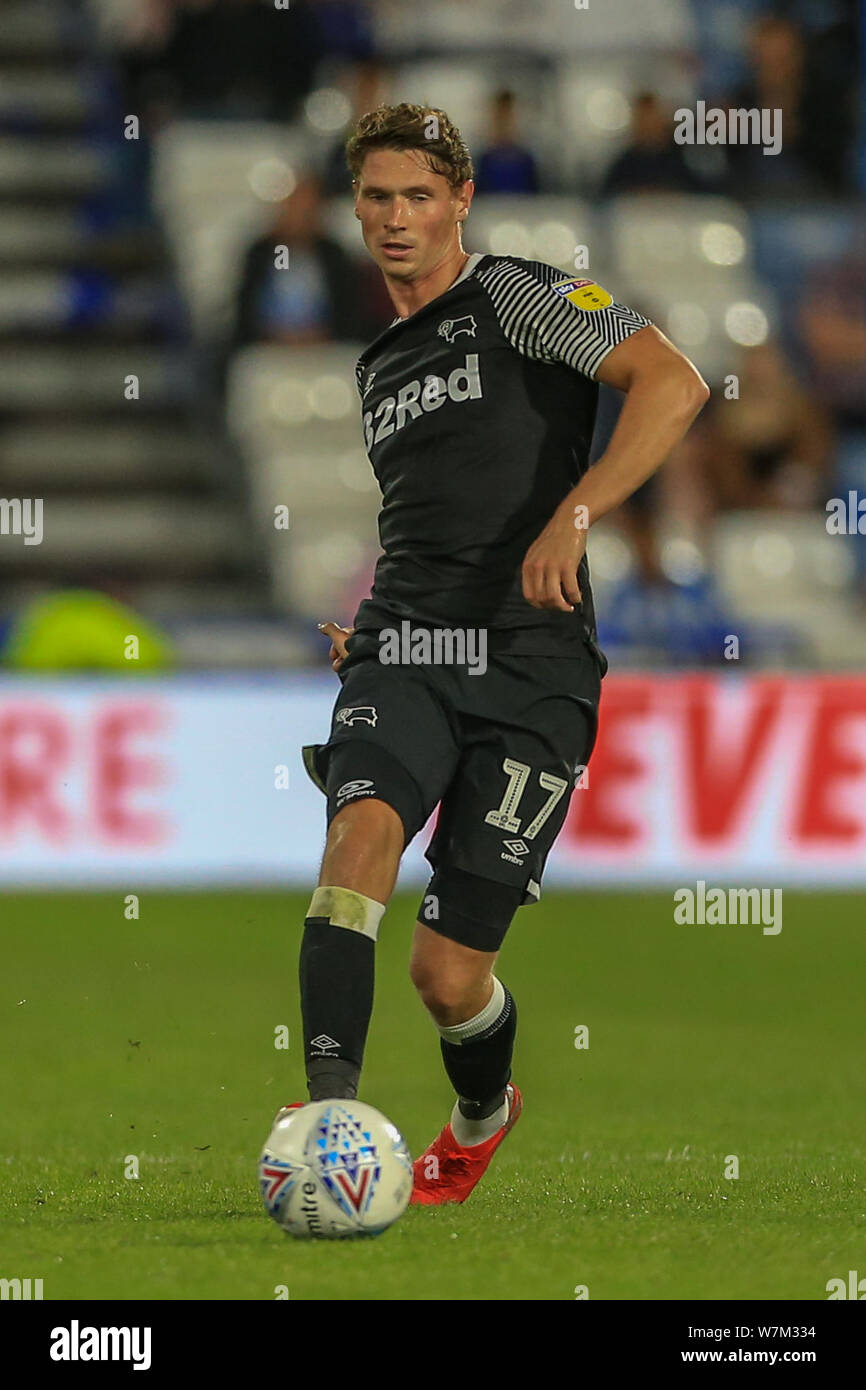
411	127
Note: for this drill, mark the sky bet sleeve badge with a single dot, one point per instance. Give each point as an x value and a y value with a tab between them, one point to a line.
585	294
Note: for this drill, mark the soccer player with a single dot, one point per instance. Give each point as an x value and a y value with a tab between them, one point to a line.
478	403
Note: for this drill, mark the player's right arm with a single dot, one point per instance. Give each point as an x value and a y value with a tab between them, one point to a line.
663	394
338	636
551	318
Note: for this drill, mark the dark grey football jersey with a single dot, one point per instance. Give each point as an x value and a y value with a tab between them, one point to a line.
478	412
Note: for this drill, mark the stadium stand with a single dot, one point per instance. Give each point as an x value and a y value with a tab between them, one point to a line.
122	257
141	494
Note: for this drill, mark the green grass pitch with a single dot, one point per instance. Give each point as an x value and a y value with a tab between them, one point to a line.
155	1038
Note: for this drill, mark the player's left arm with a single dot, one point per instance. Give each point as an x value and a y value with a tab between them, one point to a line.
663	394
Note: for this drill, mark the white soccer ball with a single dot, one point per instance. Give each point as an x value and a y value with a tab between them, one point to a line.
335	1168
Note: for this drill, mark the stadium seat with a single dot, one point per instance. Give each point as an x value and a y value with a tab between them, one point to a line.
465	90
443	26
52	167
694	236
591	103
294	416
216	185
82	455
31	232
546	26
48	379
786	567
538	228
32	96
686	262
35	32
126	534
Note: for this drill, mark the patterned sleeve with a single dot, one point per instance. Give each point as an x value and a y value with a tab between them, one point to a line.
551	317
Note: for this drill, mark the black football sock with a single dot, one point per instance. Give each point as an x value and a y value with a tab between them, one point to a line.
337	972
477	1055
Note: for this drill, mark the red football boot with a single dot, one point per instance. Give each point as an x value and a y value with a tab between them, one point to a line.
284	1109
458	1169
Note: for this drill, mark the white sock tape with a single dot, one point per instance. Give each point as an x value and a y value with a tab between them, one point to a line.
345	908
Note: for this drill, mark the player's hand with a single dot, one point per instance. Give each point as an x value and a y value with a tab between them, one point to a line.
550	565
338	635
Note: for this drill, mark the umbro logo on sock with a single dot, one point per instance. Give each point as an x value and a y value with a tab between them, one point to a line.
323	1045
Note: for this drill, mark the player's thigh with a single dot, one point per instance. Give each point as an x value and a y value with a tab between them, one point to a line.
391	740
510	795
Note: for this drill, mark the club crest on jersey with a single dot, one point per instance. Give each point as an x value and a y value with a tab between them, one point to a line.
584	294
352	714
449	328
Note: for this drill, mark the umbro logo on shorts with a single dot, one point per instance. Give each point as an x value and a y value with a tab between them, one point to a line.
518	849
355	714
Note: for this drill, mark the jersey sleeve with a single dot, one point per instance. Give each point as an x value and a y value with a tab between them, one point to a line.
552	317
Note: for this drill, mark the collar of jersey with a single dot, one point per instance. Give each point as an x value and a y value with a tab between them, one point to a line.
464	275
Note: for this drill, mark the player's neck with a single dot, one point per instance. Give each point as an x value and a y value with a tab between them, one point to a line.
410	296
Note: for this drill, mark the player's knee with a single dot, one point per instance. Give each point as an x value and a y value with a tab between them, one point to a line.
370	827
448	990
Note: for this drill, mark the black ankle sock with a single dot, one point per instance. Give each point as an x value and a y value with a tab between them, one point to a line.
480	1069
337	970
330	1078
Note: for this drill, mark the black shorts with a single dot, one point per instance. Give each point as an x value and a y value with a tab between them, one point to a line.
502	752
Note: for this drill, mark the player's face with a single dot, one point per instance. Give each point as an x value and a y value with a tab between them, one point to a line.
409	216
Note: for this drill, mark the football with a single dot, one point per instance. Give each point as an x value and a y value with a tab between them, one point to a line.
333	1169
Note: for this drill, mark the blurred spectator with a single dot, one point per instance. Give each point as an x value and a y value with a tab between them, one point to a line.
813	86
661	622
833	328
241	59
506	164
315	299
366	85
771	447
345	27
652	162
